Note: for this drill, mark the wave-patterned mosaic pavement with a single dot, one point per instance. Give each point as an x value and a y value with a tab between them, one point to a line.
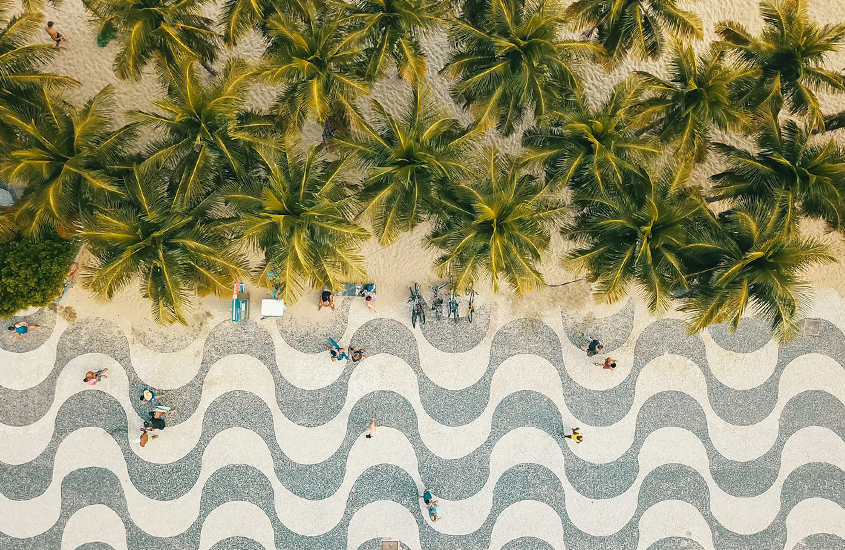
715	441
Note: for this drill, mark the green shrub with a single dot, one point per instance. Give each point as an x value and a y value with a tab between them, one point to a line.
31	272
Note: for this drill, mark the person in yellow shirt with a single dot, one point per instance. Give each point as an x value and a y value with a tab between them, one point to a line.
575	435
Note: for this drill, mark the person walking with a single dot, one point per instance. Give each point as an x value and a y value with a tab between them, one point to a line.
371	429
91	377
434	510
609	363
593	348
356	354
575	435
160	410
427	496
57	37
155	422
370	297
21	328
337	354
145	437
149	395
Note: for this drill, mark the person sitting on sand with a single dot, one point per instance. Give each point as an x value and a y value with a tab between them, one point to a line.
21	328
609	363
57	37
326	300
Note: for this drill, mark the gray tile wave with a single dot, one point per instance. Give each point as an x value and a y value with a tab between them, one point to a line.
35	338
820	541
751	335
612	331
451	337
312	336
675	543
387	482
520	409
527	543
237	543
95	546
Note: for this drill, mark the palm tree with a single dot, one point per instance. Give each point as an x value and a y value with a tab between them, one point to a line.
300	220
173	250
66	158
391	30
411	160
172	29
790	51
20	79
208	133
634	26
238	17
591	149
754	264
498	226
625	239
789	174
700	94
514	63
318	65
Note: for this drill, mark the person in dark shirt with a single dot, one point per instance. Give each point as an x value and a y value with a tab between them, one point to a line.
154	423
326	299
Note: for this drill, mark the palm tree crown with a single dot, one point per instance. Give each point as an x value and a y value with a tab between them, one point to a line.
391	30
173	29
498	226
625	239
634	26
317	65
238	17
514	63
300	220
208	134
701	93
790	51
66	159
20	79
755	263
411	160
174	251
790	174
591	149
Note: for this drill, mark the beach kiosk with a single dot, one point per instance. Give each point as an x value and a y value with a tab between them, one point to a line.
240	303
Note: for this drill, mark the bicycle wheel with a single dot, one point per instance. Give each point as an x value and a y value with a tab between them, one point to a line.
414	317
469	313
422	315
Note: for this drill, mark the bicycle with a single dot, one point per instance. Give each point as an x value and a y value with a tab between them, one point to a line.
471	308
437	301
418	309
68	282
453	304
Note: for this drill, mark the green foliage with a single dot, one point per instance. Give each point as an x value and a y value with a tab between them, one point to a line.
21	80
146	29
626	239
208	134
790	51
702	93
172	249
391	30
300	220
634	26
317	64
591	149
65	158
411	161
790	175
238	17
498	226
513	62
754	263
31	272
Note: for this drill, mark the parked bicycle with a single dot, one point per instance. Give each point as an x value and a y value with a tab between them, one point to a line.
437	301
418	309
453	304
471	308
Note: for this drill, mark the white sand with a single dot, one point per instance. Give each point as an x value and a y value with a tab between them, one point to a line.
396	267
